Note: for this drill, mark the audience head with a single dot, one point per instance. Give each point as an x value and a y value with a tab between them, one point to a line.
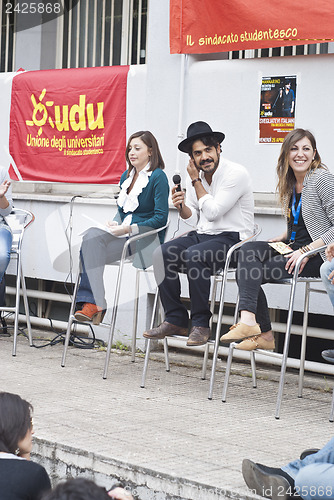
77	489
285	174
156	160
15	424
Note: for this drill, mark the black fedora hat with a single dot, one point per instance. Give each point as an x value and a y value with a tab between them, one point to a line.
197	130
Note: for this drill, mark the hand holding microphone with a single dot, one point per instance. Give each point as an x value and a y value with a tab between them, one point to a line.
177	193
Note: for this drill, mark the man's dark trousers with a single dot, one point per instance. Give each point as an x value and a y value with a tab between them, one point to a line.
199	256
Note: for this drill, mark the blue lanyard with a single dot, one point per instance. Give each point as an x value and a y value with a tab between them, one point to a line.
295	214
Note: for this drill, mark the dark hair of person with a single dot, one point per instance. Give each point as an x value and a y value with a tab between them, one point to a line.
78	488
148	138
208	140
15	421
285	174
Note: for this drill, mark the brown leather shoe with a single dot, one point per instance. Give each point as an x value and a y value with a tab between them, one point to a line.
199	335
165	329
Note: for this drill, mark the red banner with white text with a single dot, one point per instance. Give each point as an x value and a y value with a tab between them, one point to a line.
198	26
69	125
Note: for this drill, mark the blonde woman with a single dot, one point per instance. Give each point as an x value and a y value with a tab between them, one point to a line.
305	188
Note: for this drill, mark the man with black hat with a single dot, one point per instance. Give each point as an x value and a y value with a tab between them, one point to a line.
219	203
287	98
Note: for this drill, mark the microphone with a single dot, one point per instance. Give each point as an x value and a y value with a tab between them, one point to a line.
177	182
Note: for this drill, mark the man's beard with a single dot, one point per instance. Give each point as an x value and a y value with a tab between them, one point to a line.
208	167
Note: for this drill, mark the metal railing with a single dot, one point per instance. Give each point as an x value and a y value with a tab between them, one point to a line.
7	40
295	50
108	33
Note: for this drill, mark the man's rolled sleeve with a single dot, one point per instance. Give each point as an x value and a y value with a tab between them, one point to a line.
216	206
203	199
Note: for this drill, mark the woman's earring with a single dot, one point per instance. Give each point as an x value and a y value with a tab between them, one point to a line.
17	451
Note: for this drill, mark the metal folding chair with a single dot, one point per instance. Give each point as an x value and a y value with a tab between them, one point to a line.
18	221
221	277
331	415
284	357
111	326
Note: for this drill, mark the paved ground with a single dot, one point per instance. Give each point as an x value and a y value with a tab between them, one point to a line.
170	427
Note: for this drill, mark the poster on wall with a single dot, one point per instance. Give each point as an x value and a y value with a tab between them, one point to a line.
277	108
69	125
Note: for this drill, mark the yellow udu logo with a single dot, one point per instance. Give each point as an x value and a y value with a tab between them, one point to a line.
77	116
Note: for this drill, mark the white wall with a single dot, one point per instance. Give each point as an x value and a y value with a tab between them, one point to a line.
225	93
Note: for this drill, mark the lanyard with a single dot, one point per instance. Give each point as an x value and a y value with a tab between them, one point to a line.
295	214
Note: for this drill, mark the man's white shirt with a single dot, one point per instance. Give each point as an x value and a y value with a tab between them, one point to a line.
228	204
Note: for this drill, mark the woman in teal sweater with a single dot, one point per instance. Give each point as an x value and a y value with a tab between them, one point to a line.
142	206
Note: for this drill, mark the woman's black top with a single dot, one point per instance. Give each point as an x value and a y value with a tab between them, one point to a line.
302	235
22	479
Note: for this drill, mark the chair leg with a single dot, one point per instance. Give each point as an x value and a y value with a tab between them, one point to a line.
230	356
286	348
113	318
236	310
253	367
146	360
26	306
148	342
135	318
331	416
212	310
166	355
228	370
71	317
304	340
17	303
205	360
217	338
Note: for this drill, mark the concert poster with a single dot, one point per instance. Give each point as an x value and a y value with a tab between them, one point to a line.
277	108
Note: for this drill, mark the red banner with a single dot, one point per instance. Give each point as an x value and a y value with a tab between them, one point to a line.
198	26
69	125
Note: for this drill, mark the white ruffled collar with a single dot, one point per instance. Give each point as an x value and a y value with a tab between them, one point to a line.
129	201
